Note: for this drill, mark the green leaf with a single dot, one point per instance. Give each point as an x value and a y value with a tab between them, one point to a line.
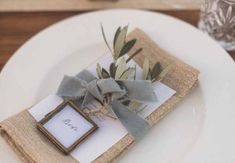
164	72
105	40
105	74
112	70
126	102
127	47
135	73
128	74
157	68
145	69
120	68
99	71
149	77
116	35
134	54
120	42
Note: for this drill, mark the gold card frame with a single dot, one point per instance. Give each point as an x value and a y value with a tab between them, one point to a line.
49	116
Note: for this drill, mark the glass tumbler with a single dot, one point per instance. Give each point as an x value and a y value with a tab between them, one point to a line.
218	20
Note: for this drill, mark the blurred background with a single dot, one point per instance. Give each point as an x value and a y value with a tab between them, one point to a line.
21	19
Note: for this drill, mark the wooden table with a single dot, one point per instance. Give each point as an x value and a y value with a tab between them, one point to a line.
18	27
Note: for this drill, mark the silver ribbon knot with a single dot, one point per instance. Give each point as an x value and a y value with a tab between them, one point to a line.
86	88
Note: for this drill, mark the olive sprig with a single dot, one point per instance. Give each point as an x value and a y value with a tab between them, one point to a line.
119	68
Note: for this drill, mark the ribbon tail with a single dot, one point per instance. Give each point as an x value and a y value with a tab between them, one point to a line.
134	124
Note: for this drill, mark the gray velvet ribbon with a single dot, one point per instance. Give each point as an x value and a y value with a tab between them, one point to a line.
86	88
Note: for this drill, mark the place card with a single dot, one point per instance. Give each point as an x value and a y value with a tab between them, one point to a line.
66	126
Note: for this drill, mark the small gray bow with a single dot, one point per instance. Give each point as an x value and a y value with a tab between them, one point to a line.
88	88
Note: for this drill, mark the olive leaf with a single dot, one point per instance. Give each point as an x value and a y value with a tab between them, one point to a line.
120	42
112	70
116	35
105	39
135	73
105	74
156	70
127	47
134	54
164	72
126	102
99	71
145	69
128	74
149	77
122	66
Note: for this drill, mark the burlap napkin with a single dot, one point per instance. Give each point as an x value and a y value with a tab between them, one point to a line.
21	133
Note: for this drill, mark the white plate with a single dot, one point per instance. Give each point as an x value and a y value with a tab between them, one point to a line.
200	129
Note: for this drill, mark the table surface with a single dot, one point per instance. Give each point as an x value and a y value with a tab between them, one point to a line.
18	27
84	5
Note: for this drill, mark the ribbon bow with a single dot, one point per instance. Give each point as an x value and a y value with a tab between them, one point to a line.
87	88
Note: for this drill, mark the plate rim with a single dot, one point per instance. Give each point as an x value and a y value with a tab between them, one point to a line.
11	59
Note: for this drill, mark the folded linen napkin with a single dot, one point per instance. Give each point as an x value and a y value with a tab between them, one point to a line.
21	133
